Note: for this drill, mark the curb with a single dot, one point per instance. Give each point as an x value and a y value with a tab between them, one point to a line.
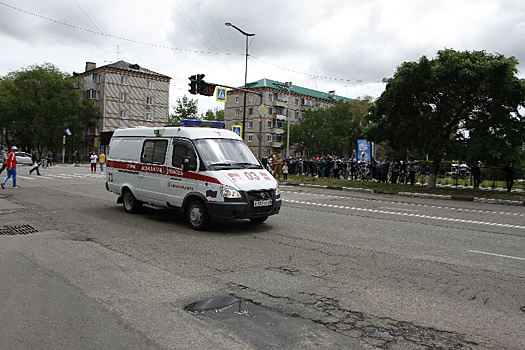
365	190
464	199
413	194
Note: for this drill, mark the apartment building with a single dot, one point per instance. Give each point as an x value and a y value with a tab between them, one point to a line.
280	100
128	96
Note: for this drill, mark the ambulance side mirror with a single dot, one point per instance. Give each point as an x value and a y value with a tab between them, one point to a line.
187	164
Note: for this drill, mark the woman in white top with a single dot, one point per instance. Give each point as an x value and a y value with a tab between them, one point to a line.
93	157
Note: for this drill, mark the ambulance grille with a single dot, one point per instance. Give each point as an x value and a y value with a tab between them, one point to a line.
256	195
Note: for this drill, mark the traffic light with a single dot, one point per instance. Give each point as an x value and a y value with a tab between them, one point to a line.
193	85
199	86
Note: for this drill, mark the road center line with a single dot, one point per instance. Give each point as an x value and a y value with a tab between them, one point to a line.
500	255
407	214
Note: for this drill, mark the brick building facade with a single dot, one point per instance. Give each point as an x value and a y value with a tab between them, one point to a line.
128	96
279	102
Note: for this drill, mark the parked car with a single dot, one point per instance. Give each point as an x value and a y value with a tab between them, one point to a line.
23	158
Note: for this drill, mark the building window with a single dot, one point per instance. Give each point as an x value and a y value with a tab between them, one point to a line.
269	138
297	102
250	98
93	78
98	95
270	111
123	114
270	97
149	101
250	125
269	123
296	115
91	94
149	116
236	112
124	80
250	111
150	84
250	138
237	99
123	97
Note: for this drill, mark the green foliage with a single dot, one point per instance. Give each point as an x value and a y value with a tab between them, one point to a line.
215	114
331	131
184	109
38	103
464	104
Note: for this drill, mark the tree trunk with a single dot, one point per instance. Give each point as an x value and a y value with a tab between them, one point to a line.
434	171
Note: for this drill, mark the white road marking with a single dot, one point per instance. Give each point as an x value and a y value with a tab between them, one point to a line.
499	255
408	214
410	204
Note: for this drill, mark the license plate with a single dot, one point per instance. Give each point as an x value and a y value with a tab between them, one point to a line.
262	203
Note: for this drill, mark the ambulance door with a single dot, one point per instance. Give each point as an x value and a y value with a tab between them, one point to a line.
152	179
180	182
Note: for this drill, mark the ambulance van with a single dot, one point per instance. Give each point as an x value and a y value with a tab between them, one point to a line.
208	173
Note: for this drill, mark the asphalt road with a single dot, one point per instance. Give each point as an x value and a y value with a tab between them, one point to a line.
334	270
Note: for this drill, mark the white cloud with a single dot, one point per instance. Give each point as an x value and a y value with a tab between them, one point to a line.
299	41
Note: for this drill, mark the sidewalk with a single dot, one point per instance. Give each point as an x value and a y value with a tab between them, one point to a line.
413	194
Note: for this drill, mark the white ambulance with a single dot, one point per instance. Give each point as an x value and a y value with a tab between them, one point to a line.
206	172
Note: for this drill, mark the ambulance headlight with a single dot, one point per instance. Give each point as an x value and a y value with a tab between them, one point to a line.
228	192
277	191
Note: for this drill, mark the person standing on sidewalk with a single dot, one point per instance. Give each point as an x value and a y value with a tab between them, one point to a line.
93	158
101	160
35	157
11	168
509	176
4	159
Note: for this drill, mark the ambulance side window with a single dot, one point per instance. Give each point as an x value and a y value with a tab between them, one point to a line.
154	151
182	149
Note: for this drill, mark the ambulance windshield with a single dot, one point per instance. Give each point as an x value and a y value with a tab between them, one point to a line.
226	154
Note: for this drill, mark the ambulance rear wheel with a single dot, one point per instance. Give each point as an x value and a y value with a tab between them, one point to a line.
197	215
131	204
259	220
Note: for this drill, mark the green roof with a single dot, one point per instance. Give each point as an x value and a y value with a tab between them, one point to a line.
268	83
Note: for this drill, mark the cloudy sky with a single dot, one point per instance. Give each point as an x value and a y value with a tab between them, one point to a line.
344	45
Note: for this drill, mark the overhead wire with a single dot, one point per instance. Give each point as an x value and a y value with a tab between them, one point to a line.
184	50
96	26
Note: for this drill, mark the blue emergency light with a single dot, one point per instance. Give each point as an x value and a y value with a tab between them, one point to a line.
203	123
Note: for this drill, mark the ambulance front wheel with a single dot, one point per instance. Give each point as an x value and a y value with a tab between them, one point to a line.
197	215
131	204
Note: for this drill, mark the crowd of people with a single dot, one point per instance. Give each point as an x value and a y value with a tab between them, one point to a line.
380	170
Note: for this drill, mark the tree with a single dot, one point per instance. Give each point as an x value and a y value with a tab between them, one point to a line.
460	100
184	109
38	103
331	131
214	114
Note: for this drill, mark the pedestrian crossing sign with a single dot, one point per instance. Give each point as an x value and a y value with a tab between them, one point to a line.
237	129
221	94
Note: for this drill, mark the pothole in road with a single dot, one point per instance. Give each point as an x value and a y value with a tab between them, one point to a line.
236	306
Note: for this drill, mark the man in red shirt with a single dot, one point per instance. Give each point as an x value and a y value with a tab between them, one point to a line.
11	167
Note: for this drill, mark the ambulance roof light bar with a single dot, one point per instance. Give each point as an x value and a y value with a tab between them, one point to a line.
203	123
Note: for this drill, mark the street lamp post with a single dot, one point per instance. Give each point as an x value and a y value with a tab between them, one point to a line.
245	73
289	87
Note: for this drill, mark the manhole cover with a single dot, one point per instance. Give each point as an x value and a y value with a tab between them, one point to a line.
17	230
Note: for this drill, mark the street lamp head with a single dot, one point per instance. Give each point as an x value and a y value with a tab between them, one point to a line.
228	24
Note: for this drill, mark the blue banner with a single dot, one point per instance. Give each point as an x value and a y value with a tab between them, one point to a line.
363	150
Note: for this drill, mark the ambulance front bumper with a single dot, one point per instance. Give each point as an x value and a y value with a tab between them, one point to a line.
241	210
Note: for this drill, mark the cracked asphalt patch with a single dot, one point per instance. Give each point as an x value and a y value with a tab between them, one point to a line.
281	292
